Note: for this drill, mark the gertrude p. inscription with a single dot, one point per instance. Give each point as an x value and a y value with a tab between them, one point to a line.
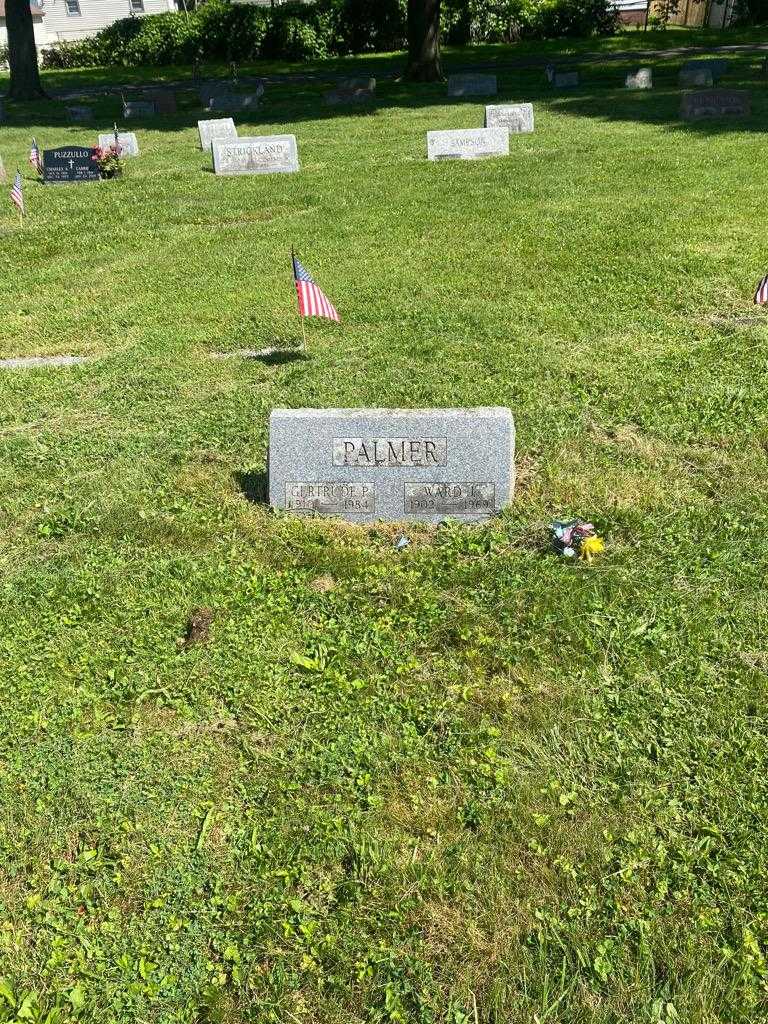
392	464
390	451
330	498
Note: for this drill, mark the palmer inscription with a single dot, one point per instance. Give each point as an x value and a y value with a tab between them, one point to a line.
450	498
390	451
330	497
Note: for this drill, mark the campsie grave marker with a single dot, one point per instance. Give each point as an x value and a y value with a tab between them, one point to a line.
70	164
392	464
221	128
517	117
472	85
715	103
468	144
127	141
264	154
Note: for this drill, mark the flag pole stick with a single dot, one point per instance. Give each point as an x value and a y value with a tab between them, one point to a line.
298	304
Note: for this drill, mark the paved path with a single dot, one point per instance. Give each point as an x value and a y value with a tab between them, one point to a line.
532	61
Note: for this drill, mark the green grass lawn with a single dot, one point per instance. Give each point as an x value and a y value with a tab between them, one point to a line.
469	783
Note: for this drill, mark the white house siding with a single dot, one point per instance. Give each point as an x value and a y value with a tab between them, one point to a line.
37	21
94	15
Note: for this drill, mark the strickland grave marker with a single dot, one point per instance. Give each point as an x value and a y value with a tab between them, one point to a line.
70	164
264	154
367	464
468	144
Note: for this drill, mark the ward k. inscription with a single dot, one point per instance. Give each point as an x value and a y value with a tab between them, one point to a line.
392	464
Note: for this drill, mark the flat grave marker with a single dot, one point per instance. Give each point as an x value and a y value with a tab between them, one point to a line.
261	154
219	129
70	165
468	144
517	117
640	79
472	85
352	90
423	465
696	106
138	108
127	141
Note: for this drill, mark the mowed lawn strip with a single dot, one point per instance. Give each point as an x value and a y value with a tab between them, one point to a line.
466	782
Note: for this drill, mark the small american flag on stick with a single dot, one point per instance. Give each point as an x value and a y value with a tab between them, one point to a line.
17	193
34	157
312	300
761	295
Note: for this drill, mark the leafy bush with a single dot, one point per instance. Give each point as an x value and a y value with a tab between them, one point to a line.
220	30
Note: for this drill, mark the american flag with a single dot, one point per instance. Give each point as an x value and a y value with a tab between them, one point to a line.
17	193
34	157
761	295
312	301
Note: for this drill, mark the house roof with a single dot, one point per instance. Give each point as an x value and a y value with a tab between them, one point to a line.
37	12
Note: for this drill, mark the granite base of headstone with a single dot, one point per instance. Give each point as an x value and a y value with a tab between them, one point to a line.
350	91
265	154
696	77
425	465
138	108
565	79
219	128
472	85
640	79
77	114
714	103
70	165
127	141
516	117
468	144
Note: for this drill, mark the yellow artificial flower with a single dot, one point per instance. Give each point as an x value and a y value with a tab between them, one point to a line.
590	547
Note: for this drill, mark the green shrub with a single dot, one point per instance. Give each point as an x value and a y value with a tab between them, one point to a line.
504	21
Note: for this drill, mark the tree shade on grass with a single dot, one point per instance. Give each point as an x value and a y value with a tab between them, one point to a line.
254	768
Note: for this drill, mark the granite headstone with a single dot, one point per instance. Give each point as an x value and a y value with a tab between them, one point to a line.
695	106
640	79
472	85
127	141
79	114
517	117
221	128
393	464
138	108
70	164
468	144
164	101
263	154
566	79
696	76
717	66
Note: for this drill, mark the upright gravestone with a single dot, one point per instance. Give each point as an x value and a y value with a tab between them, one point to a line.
265	154
233	101
715	103
641	79
138	108
717	67
127	141
393	464
696	77
517	117
220	128
565	79
79	114
164	101
352	90
468	144
70	164
472	85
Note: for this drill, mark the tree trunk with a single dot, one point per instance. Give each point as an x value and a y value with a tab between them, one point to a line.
22	52
424	41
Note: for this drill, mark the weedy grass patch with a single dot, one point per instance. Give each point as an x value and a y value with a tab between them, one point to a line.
259	768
